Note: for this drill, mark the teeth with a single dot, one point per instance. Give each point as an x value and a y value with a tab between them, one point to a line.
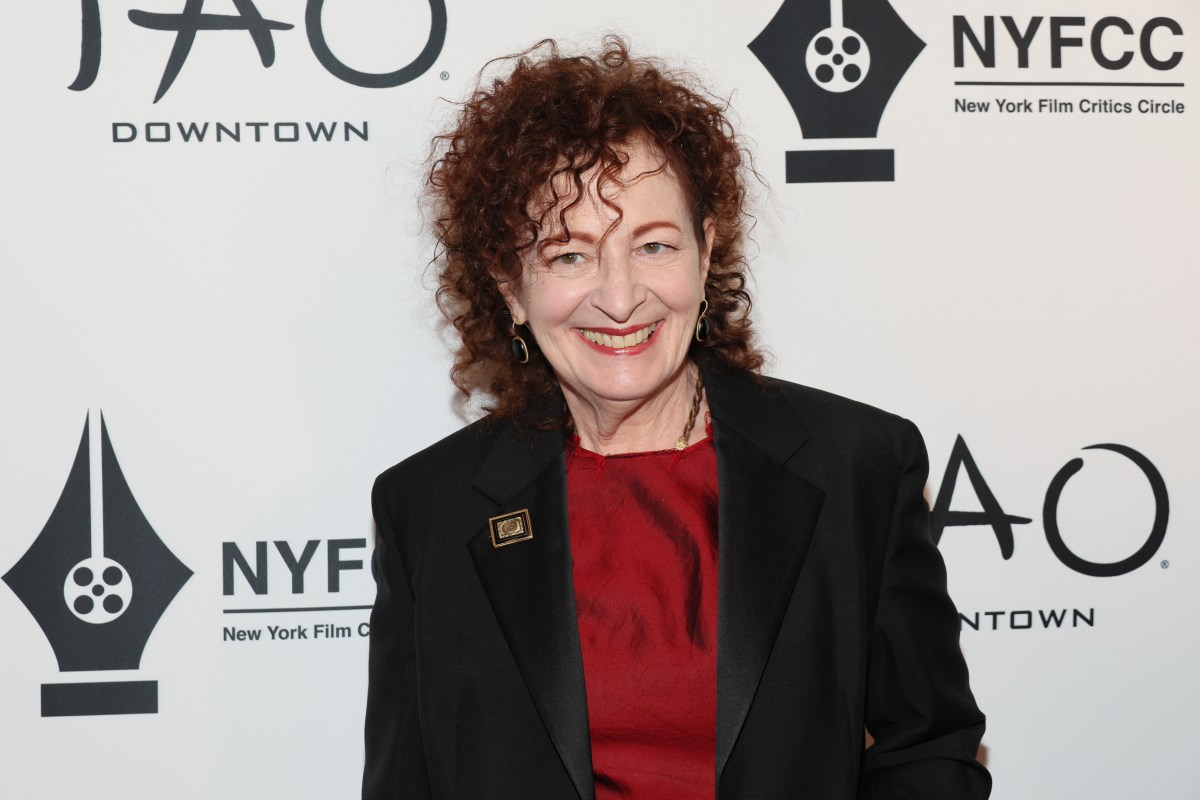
629	340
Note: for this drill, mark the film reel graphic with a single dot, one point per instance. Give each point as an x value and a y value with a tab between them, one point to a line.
837	58
97	590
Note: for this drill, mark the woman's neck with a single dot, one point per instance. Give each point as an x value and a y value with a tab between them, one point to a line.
643	424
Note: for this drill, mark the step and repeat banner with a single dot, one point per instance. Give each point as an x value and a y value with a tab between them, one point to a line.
217	326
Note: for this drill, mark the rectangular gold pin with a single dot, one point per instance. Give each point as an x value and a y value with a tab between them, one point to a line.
511	528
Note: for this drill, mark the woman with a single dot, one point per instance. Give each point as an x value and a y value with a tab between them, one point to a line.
648	572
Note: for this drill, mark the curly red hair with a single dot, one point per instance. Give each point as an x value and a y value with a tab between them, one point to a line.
553	117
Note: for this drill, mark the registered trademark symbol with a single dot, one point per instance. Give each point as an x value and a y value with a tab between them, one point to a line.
444	76
1164	563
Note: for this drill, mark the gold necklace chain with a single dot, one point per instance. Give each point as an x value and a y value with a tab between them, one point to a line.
682	442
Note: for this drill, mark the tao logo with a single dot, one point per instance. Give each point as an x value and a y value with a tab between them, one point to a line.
192	19
1001	523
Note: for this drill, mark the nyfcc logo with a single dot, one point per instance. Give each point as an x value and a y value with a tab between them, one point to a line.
1099	58
1111	43
304	570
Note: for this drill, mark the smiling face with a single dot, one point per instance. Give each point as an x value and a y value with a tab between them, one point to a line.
614	307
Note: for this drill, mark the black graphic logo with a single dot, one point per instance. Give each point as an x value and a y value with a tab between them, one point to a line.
1158	530
1001	523
192	19
97	579
838	65
992	514
1104	43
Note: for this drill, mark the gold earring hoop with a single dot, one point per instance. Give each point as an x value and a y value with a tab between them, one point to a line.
702	325
519	349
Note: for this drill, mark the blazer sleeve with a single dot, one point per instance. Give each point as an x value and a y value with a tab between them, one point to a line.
395	760
919	706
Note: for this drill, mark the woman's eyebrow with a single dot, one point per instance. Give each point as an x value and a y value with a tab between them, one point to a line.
587	238
645	227
576	237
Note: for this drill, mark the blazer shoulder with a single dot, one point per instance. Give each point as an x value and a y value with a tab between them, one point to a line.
448	462
846	422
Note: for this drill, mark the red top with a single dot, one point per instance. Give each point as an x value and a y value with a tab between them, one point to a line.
643	532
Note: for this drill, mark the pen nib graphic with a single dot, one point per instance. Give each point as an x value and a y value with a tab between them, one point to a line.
97	578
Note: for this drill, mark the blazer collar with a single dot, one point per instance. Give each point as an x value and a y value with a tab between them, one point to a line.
755	407
766	516
520	454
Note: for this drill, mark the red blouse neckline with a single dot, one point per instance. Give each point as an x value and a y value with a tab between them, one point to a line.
577	449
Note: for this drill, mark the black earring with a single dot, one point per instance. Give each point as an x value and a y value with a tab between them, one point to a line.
519	350
702	326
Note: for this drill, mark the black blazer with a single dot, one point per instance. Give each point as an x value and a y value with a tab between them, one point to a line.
832	615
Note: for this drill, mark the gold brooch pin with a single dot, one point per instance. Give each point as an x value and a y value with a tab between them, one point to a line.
511	528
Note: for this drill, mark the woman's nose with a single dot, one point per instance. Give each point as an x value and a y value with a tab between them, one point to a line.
620	291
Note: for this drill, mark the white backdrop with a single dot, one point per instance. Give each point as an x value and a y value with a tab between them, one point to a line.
254	321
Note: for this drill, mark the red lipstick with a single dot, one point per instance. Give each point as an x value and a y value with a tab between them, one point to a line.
630	350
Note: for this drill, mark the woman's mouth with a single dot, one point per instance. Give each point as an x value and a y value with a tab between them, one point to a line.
617	341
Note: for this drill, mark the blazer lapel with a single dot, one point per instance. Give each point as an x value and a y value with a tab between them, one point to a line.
528	583
766	514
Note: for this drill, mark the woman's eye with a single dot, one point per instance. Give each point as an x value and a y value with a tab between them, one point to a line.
655	248
569	259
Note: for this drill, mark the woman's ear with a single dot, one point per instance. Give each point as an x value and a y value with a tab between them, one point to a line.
508	291
710	232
